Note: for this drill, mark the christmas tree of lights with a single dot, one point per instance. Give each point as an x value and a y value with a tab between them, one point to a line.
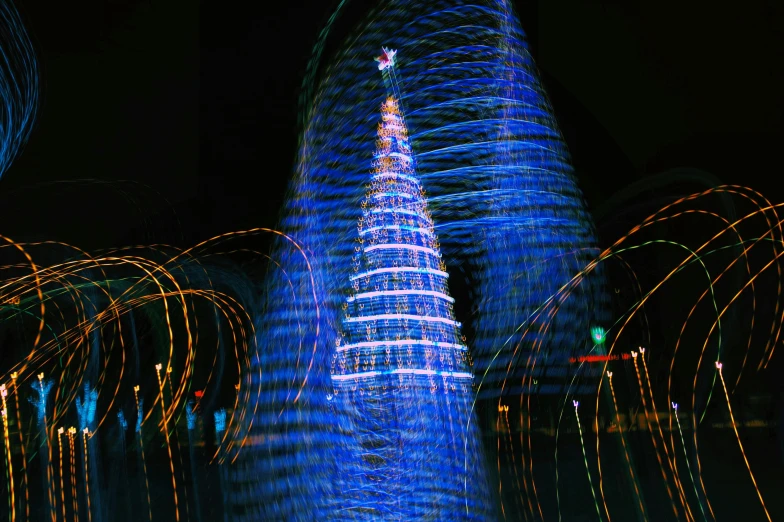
401	365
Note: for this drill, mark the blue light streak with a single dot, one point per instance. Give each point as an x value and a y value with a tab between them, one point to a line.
42	388
122	420
220	421
85	408
139	416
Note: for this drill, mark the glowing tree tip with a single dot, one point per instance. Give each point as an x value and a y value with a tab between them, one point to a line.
387	58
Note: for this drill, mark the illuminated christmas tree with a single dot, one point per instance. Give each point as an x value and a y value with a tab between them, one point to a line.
402	366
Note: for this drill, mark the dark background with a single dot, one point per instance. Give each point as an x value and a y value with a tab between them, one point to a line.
173	121
199	104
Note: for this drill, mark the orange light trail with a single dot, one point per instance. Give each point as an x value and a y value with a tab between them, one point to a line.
168	444
60	432
139	437
85	433
637	493
10	470
74	497
740	444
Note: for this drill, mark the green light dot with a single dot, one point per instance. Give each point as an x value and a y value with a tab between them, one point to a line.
598	334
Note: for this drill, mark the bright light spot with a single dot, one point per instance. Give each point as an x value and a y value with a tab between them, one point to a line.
598	334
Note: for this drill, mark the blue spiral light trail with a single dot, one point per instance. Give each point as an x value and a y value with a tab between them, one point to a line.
18	85
506	209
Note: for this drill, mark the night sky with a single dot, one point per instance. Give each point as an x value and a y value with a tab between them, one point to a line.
172	121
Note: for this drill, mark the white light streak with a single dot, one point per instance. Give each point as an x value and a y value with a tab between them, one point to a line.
400	342
398	227
402	371
381	293
409	317
409	269
394	246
